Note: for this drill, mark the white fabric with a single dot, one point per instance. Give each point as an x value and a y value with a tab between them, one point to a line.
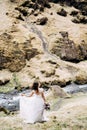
32	108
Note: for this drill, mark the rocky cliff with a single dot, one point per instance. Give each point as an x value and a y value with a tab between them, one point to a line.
44	40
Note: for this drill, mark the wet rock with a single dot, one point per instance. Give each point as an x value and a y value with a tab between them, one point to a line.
42	21
62	12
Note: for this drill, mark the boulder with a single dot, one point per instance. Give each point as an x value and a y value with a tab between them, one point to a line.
59	92
42	21
74	13
62	12
81	77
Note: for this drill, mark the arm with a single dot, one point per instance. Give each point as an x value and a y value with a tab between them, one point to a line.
29	95
43	97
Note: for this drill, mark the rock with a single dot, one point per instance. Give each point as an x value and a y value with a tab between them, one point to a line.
75	20
20	17
62	12
59	92
42	21
4	82
80	19
36	4
74	13
4	110
64	34
5	77
78	4
67	50
22	10
81	78
14	60
30	53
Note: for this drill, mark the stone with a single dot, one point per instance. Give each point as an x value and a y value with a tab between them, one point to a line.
80	19
62	12
23	11
42	21
67	50
74	13
30	53
59	92
20	17
4	82
4	110
81	78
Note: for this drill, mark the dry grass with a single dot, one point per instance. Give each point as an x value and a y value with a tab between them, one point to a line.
72	115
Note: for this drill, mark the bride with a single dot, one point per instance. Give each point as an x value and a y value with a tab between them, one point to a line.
32	106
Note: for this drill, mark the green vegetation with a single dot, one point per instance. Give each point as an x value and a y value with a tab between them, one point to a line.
14	83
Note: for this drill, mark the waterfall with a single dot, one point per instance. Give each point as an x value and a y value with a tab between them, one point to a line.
31	27
35	30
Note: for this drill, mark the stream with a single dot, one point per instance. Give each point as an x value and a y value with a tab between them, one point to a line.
10	101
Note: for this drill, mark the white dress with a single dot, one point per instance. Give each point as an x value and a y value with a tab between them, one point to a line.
32	108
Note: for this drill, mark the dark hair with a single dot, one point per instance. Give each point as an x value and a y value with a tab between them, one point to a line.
35	86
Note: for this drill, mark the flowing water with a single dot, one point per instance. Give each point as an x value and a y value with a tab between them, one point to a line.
31	27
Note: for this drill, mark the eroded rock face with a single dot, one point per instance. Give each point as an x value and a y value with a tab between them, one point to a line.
20	50
14	51
67	49
10	55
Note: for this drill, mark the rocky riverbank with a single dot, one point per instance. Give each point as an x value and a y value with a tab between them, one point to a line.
9	102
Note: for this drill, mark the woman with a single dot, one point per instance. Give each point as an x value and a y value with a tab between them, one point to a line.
32	109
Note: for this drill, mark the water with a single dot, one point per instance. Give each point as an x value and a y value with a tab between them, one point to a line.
74	88
11	101
35	30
